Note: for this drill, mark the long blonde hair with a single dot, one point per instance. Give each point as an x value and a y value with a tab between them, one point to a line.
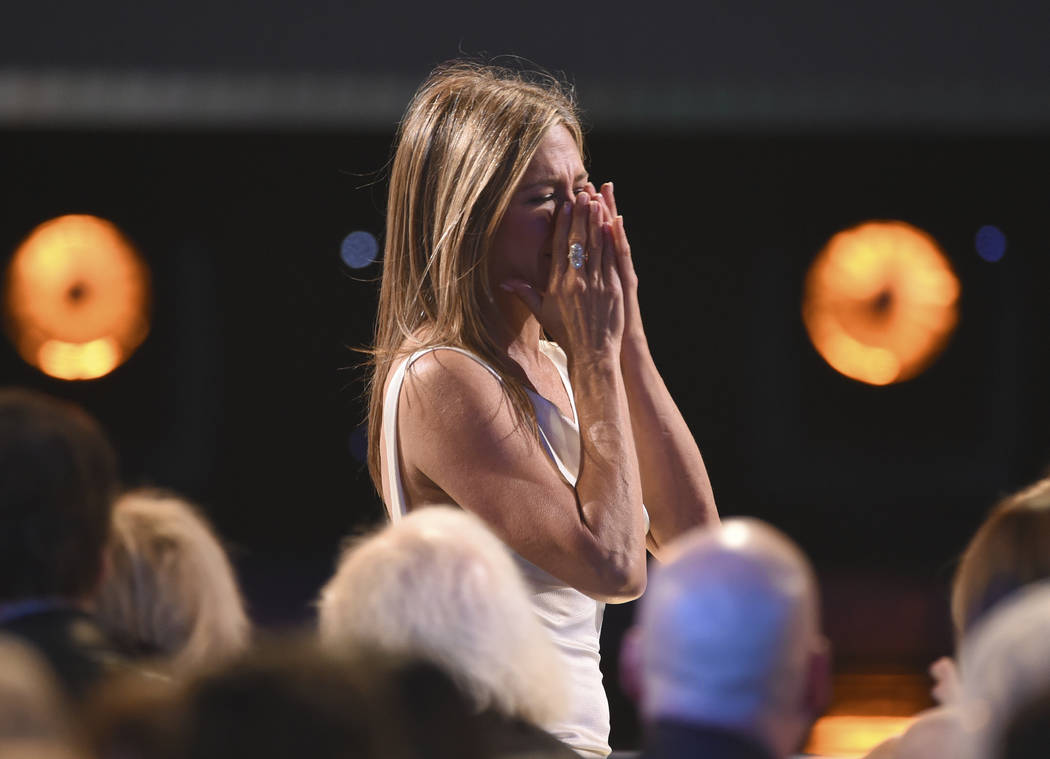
465	142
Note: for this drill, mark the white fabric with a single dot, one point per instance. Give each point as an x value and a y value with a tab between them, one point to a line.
573	619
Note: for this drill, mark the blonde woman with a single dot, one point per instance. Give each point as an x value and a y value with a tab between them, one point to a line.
169	591
496	240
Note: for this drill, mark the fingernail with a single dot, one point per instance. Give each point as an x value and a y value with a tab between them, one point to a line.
504	286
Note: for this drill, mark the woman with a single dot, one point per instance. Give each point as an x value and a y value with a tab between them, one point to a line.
169	591
495	237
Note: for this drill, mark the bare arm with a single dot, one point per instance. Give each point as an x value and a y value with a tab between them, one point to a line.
458	431
675	485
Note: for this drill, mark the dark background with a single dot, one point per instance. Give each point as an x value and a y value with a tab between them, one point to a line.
740	138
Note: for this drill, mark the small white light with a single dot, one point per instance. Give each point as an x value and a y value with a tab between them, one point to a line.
735	534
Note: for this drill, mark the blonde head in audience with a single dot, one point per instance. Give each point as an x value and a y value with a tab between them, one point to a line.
440	586
1011	549
169	590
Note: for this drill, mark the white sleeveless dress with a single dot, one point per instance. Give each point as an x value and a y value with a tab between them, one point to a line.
573	619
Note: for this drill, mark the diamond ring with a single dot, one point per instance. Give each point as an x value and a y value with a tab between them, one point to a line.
577	255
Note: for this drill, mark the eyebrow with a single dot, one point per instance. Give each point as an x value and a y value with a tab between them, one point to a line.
581	177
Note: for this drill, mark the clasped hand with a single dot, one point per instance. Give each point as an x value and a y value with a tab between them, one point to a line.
588	310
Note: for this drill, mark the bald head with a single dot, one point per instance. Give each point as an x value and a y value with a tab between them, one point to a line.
729	627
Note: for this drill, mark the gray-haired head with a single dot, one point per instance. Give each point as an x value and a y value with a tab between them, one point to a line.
440	586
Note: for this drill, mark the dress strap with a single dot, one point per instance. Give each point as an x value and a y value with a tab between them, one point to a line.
396	505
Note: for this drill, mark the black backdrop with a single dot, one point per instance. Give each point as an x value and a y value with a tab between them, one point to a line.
247	395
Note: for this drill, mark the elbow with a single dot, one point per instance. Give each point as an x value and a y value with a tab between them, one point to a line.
632	588
622	579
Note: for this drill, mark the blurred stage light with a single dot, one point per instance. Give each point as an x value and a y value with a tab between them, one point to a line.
847	735
76	298
880	302
991	243
359	249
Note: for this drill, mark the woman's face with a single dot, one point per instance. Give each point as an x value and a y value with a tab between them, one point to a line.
521	248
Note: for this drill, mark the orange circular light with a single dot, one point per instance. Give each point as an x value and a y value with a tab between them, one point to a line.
76	298
880	302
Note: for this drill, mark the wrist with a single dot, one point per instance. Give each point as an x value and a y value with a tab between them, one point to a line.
595	366
597	363
635	345
599	382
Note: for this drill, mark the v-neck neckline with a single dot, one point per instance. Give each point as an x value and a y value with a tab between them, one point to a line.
574	422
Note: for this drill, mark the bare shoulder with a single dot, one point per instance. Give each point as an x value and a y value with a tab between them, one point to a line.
452	403
448	381
458	432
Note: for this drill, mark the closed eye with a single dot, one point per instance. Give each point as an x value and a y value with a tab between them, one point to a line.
548	197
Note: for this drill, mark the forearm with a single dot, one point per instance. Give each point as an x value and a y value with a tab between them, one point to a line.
609	483
675	485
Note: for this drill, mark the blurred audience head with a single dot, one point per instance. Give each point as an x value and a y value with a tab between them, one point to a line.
58	478
729	637
1009	550
133	717
34	719
1005	667
290	699
169	590
439	585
